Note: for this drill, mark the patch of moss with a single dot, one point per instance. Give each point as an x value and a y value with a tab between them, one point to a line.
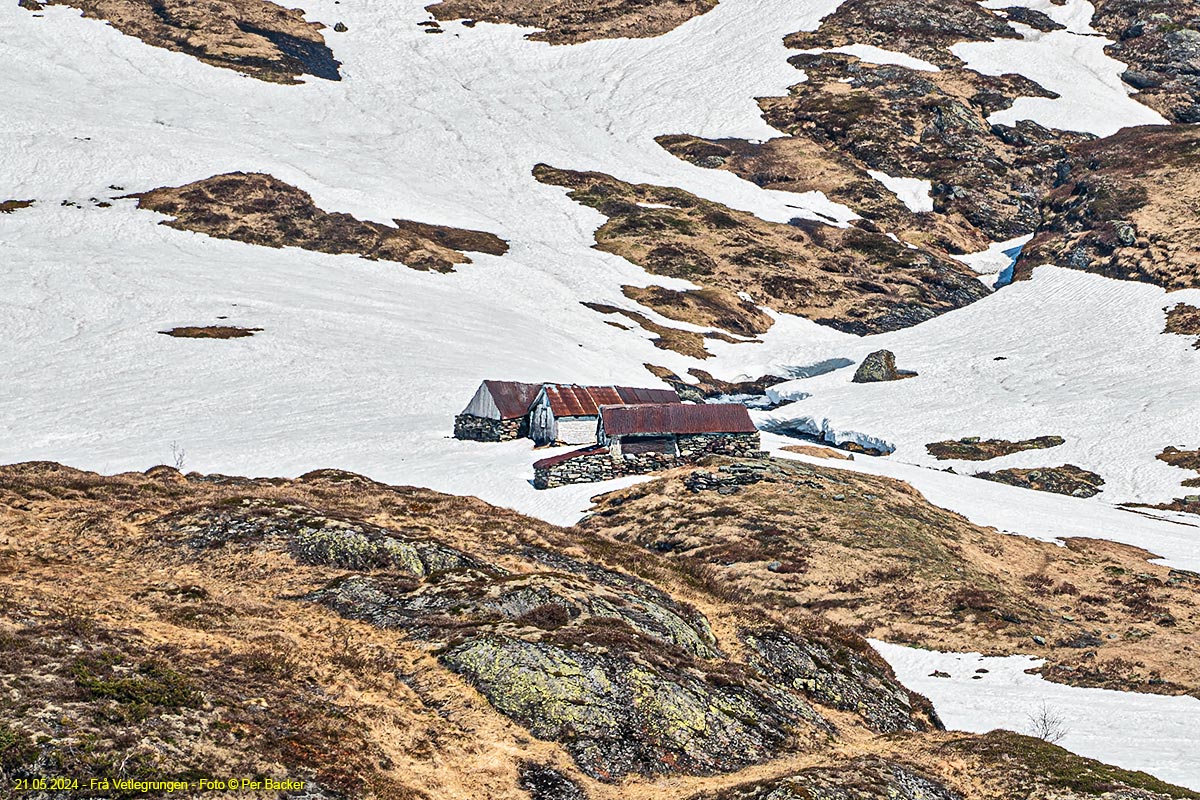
151	684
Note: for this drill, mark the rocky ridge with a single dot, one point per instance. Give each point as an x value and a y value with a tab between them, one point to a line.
847	278
390	642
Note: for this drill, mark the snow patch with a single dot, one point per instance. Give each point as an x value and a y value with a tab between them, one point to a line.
1153	733
913	192
1093	98
877	55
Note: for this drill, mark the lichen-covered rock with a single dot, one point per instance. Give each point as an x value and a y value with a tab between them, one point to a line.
880	366
833	674
627	679
860	779
315	538
617	716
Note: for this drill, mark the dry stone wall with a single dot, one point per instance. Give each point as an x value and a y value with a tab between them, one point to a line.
482	429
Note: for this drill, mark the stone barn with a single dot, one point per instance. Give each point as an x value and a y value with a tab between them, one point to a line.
637	439
568	413
682	431
499	412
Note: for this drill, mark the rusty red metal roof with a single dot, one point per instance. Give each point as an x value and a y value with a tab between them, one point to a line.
585	401
676	418
546	463
512	398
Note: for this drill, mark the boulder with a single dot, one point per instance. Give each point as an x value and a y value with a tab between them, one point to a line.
880	366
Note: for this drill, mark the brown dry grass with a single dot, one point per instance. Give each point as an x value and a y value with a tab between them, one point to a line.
256	37
1128	211
819	452
871	554
576	21
1184	320
211	332
263	210
850	279
239	675
688	343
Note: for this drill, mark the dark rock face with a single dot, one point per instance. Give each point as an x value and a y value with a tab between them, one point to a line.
546	783
1033	18
880	366
1160	41
860	779
1067	479
834	676
1126	208
922	28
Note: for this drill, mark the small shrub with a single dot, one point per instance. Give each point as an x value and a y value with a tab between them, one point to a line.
548	616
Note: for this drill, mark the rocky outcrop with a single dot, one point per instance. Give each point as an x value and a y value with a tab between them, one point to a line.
985	178
1125	207
878	367
618	717
847	278
185	625
628	681
256	37
260	209
834	675
921	28
578	20
1067	479
314	538
860	779
874	556
972	448
1159	40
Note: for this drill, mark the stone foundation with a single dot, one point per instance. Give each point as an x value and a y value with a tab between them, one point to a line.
696	445
598	464
482	429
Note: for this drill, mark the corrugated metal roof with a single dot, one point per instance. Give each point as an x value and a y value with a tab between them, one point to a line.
546	463
585	401
676	418
512	398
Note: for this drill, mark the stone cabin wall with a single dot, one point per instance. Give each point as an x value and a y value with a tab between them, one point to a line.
599	467
483	429
604	465
695	445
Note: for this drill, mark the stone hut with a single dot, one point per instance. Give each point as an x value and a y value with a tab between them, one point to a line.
568	413
684	431
499	412
635	439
